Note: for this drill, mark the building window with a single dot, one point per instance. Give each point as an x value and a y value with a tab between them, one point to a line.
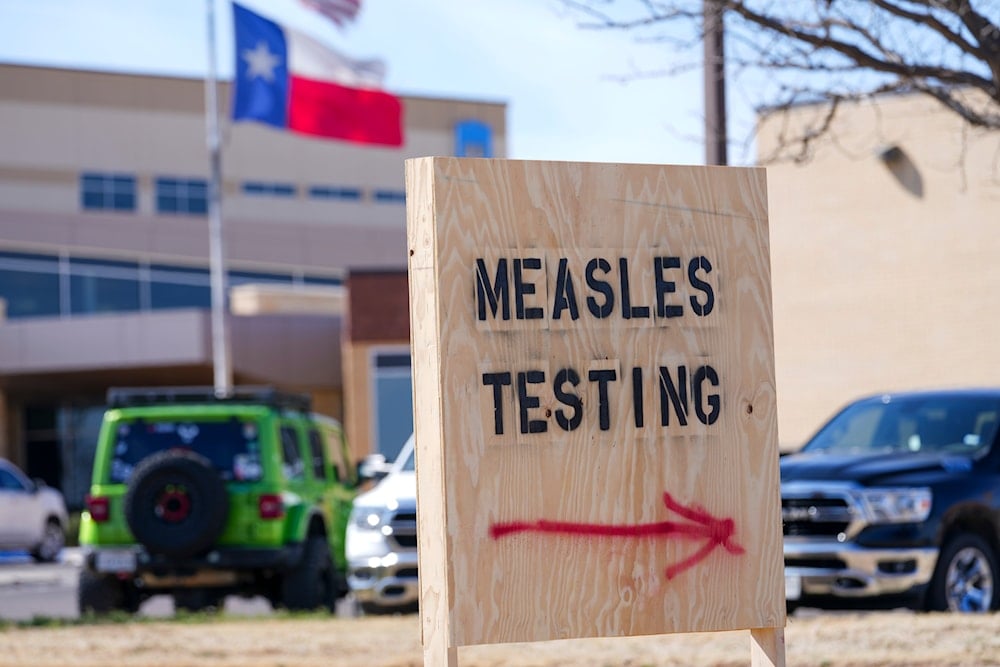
186	196
245	277
392	400
178	287
317	280
390	196
29	284
269	189
98	286
332	192
473	138
107	192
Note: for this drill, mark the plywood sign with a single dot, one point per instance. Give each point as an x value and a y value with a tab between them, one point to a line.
597	449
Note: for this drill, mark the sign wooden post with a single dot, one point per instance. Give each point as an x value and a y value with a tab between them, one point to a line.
594	403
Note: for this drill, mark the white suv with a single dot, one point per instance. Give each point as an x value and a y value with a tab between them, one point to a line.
32	515
382	541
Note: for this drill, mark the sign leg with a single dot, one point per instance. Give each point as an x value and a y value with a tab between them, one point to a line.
440	656
767	647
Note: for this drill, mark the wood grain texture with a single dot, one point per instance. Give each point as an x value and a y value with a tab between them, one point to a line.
535	585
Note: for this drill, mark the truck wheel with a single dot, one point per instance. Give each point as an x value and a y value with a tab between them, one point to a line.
312	583
98	593
965	577
176	503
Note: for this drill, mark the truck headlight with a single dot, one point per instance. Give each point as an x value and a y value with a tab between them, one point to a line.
906	505
369	518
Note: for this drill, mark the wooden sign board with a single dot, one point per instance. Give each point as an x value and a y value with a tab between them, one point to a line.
594	401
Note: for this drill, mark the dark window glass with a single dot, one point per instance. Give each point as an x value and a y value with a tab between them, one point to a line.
390	196
10	482
111	192
100	286
244	277
172	295
30	293
184	196
331	192
93	294
313	280
316	451
179	287
271	189
911	424
51	261
231	446
293	465
392	361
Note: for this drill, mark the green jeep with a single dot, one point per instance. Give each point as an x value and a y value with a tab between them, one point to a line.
201	497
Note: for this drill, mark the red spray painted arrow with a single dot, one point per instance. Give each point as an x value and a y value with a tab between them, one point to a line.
716	532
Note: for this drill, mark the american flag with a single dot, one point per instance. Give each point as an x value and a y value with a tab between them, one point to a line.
340	12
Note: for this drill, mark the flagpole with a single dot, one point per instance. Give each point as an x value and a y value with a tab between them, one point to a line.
222	369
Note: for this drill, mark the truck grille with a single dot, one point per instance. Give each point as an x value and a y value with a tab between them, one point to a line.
404	529
815	517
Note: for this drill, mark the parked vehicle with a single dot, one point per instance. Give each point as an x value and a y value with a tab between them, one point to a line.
32	515
201	497
382	540
897	497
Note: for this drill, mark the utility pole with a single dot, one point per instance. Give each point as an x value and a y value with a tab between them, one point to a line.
715	83
222	368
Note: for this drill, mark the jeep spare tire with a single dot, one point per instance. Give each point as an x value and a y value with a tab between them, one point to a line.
176	503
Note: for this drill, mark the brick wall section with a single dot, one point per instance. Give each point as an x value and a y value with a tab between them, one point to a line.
378	306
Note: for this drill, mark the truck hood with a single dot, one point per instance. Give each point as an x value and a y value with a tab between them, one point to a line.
867	469
398	486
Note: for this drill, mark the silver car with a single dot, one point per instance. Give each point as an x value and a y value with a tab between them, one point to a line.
32	516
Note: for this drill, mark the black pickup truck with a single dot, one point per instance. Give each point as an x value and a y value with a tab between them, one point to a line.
897	500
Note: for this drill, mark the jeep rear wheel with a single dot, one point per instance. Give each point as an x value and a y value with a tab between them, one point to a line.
176	503
312	583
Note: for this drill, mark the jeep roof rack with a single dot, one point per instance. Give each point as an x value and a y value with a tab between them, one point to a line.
126	397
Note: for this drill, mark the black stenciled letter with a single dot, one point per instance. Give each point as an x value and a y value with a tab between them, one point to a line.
702	263
521	287
698	383
628	310
498	381
664	286
602	286
671	394
565	296
568	399
602	378
637	397
527	402
495	292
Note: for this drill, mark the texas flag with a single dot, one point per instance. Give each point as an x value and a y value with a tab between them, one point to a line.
289	80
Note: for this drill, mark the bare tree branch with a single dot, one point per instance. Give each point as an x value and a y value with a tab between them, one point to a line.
835	51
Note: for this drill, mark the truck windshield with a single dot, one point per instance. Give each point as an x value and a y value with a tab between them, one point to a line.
917	424
231	446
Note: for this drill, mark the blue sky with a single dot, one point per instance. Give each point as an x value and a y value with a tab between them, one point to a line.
559	81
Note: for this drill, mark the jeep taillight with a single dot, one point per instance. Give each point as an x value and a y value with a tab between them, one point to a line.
99	508
269	506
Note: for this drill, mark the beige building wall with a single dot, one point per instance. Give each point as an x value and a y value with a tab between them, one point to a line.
884	248
58	123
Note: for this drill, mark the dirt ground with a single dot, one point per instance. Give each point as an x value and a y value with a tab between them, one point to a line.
829	640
